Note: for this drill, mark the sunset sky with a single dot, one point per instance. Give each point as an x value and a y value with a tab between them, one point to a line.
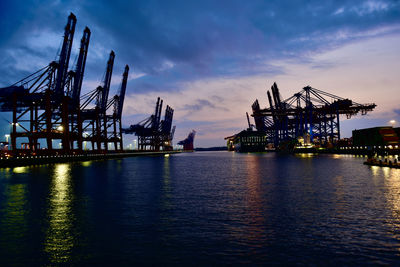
210	60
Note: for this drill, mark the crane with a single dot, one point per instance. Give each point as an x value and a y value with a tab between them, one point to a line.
310	111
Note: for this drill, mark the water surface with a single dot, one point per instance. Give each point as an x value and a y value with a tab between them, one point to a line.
202	208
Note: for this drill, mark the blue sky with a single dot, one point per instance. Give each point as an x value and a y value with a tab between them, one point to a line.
210	60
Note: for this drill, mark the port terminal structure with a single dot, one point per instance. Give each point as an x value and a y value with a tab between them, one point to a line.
47	107
187	143
310	117
153	133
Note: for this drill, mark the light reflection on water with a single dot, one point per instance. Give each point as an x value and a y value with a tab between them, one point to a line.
202	208
13	221
166	185
59	239
306	155
392	195
86	163
255	204
20	169
339	195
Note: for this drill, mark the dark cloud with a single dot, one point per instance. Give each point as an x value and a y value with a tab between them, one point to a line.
397	111
171	43
174	41
201	104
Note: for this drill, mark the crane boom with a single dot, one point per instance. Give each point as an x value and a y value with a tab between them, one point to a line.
80	67
122	91
159	115
62	71
107	81
248	120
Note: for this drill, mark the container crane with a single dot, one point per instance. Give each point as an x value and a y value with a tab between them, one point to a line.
153	133
308	112
36	98
114	120
94	119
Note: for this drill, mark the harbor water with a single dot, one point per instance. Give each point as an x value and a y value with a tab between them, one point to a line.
201	208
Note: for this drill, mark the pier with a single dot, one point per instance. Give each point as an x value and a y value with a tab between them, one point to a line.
7	162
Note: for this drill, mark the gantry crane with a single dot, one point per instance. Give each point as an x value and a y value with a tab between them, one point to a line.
38	97
114	123
94	119
152	132
48	104
306	112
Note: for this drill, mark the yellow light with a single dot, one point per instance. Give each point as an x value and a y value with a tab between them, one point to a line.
60	128
59	239
20	170
86	163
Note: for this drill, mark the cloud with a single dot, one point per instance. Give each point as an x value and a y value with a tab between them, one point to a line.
210	59
369	7
203	103
174	41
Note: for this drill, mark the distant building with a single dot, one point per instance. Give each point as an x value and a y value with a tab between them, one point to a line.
247	141
397	130
345	142
377	137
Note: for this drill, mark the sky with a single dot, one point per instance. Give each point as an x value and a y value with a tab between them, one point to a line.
209	60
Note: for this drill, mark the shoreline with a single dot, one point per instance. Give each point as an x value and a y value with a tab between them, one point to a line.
42	160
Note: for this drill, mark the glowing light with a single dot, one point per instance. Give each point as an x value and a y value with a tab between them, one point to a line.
59	238
86	163
386	172
305	155
60	128
20	170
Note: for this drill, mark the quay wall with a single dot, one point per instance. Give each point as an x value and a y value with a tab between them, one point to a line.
6	162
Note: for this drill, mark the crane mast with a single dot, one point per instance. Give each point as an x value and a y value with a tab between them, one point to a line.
107	82
62	71
122	92
80	68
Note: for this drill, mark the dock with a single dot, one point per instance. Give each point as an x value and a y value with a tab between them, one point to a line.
19	161
383	163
